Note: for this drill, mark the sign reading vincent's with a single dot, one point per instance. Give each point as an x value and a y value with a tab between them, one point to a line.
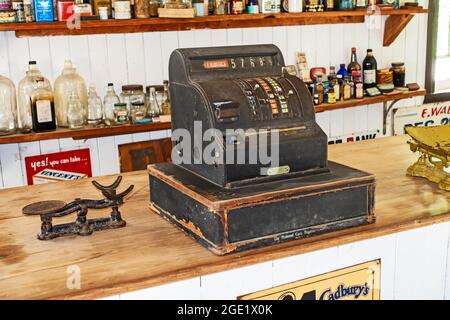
360	282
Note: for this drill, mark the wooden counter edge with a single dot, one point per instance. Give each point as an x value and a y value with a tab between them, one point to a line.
258	257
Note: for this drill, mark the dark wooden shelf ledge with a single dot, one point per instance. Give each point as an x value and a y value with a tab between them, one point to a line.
395	96
85	133
207	22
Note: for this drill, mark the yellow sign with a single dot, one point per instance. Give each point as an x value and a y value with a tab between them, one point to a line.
360	282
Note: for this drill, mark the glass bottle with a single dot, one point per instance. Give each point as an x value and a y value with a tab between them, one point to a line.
111	98
153	107
153	8
342	71
42	108
346	89
353	65
319	89
95	107
337	89
8	108
165	104
332	73
67	82
331	96
75	111
369	70
26	86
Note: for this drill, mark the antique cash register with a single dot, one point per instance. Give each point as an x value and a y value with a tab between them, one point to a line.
249	160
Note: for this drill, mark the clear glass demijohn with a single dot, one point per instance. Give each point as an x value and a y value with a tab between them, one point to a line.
26	86
8	108
69	81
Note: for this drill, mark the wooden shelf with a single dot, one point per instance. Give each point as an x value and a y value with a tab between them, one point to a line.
395	96
86	133
208	22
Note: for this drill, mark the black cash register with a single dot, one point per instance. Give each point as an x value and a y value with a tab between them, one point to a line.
228	104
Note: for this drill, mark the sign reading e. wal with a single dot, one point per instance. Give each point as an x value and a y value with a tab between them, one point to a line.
61	166
360	282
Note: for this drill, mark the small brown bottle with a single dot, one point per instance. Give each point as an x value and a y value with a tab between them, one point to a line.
42	108
319	89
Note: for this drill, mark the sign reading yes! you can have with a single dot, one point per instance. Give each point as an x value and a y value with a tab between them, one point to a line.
61	166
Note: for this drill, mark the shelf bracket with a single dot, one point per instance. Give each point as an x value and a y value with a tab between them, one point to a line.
393	26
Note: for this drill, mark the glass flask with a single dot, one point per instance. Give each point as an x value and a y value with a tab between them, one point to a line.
75	111
8	108
42	107
111	98
26	86
95	107
69	81
152	104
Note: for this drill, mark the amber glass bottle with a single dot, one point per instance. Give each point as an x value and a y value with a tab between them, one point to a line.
42	108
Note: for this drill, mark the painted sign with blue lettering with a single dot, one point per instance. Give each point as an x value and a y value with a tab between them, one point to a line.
360	282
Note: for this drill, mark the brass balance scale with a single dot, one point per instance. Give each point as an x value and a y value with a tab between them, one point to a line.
433	144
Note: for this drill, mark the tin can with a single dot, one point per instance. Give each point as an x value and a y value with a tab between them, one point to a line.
19	8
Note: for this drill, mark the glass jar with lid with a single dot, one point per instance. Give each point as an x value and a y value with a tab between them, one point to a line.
65	84
26	86
132	93
138	113
399	73
121	113
8	108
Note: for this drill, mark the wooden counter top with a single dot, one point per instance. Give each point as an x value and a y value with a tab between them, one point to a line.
149	251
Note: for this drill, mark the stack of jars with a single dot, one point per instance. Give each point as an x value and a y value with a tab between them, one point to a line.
72	105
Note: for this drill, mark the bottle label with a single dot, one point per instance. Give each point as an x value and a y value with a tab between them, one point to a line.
370	76
43	111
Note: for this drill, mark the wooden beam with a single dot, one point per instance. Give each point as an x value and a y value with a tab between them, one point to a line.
394	26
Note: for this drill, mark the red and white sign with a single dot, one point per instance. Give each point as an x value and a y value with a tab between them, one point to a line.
433	114
61	166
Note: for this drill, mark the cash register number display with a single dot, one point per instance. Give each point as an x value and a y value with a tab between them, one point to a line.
231	206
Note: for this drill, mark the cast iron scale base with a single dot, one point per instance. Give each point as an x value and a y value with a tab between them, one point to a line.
82	226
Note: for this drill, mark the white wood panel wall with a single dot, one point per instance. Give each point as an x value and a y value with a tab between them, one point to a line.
143	58
414	265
